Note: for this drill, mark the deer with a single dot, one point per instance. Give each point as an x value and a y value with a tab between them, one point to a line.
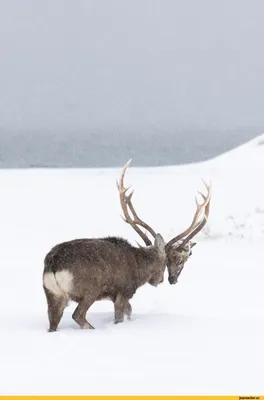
91	269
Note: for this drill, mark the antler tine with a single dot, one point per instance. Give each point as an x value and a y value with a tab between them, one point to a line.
202	223
126	204
195	225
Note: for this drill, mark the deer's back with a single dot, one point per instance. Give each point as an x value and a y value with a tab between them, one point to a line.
106	265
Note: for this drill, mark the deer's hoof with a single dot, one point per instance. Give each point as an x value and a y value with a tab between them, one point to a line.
118	321
87	326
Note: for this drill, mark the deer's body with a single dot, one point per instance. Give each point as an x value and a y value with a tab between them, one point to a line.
87	270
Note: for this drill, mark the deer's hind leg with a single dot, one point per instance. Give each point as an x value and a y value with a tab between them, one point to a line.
56	306
79	314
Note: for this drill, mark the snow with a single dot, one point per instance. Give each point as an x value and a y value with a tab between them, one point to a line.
201	336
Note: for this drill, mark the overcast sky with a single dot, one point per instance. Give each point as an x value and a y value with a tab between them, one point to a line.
106	63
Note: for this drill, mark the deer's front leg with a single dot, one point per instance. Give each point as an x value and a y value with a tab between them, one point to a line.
127	309
120	307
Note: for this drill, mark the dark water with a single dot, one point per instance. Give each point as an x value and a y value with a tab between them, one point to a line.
99	148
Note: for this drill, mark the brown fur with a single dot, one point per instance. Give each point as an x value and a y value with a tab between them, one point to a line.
101	268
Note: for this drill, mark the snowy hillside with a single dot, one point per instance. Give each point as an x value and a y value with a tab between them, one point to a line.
238	177
201	336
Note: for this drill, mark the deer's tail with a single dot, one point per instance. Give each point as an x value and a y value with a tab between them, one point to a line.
58	283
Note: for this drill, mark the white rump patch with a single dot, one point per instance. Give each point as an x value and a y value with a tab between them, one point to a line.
59	284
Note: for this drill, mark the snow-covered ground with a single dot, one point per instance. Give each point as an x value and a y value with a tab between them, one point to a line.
201	336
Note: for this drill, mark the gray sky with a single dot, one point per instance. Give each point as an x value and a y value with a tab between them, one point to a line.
107	63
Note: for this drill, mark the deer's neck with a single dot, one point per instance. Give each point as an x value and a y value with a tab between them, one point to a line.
145	266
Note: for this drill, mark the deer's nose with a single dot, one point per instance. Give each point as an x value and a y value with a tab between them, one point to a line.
172	280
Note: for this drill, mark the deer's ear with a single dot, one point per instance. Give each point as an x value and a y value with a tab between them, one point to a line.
159	242
193	244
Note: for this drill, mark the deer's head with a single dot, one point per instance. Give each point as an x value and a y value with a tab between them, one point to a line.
178	249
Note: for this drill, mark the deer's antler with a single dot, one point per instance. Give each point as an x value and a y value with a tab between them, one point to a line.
126	204
196	225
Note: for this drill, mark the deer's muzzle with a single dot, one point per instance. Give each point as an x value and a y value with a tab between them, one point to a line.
173	279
